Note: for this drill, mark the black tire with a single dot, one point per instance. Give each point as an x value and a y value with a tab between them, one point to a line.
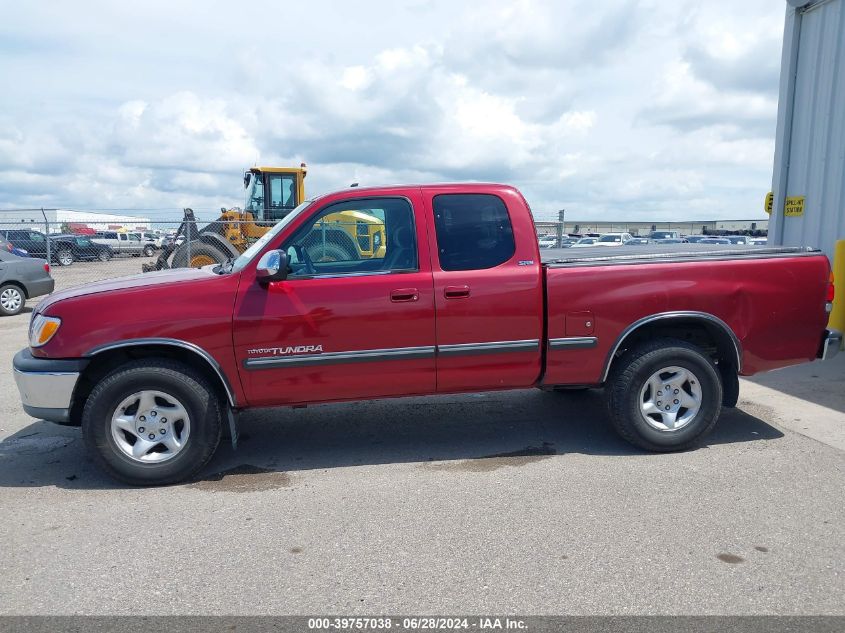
104	255
628	383
149	250
181	382
205	253
12	299
333	251
64	256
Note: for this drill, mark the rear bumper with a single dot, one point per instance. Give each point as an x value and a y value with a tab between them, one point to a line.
40	287
831	344
46	386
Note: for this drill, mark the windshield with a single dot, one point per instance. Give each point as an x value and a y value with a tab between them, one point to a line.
255	196
258	246
610	238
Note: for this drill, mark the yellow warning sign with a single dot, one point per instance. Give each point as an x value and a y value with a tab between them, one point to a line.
794	206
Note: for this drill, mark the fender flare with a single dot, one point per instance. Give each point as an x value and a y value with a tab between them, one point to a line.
171	342
703	317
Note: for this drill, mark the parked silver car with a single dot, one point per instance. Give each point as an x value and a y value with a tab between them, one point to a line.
124	243
22	278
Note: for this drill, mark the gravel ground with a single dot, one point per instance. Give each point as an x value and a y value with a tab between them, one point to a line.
515	502
83	272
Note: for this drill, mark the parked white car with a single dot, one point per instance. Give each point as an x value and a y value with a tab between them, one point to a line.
547	241
614	239
585	241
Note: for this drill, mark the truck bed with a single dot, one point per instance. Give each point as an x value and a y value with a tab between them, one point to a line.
754	293
663	253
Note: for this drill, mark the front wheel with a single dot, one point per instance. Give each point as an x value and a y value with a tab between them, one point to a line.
104	256
152	422
149	250
201	254
665	395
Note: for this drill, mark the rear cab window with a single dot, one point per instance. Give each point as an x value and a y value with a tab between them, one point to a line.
474	231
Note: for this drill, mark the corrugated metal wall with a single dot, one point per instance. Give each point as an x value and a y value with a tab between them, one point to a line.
810	149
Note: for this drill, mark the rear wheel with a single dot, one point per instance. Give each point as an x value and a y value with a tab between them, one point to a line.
202	254
665	395
12	300
152	422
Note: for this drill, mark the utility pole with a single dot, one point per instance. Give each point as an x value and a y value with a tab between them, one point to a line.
560	216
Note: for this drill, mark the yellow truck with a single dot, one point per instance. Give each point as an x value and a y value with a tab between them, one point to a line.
271	193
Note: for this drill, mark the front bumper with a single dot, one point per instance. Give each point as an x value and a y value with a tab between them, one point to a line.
47	385
831	344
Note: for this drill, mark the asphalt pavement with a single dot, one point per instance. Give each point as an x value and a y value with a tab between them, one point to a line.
519	502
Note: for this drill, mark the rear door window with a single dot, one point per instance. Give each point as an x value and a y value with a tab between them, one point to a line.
474	231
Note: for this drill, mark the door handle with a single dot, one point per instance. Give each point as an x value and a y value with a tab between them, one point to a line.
404	294
456	292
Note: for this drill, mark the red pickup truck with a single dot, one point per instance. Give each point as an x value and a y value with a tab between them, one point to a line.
155	367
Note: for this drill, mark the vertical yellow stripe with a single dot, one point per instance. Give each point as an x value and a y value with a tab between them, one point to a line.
837	317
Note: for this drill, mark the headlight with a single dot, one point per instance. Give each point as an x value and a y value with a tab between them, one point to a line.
42	329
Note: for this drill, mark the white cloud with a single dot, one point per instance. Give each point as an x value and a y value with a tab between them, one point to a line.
632	108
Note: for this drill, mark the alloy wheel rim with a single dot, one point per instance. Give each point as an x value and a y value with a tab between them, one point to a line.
11	299
670	399
150	427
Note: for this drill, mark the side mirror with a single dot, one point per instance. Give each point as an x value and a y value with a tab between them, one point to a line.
273	266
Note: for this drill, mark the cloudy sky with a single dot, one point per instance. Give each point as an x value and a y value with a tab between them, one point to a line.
616	109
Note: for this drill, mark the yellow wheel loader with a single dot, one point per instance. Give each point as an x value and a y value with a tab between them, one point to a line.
271	193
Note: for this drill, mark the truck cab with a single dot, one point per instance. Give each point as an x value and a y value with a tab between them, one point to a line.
273	192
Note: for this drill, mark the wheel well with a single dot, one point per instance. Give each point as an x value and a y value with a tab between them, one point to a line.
711	336
18	285
105	362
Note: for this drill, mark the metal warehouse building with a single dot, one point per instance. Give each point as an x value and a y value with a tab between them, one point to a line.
808	183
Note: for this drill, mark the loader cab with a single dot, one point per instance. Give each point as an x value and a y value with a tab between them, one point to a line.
273	192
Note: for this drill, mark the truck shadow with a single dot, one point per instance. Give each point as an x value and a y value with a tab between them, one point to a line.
472	432
820	383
